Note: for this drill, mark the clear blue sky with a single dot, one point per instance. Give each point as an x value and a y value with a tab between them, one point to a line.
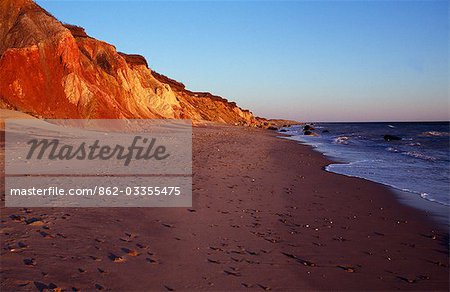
304	60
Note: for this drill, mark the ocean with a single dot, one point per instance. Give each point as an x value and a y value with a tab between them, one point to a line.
418	164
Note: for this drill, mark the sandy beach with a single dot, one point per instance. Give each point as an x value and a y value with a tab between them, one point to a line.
265	216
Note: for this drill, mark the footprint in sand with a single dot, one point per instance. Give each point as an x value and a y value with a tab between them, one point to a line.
99	287
17	218
18	247
101	271
347	269
213	261
264	287
115	258
34	222
232	273
23	283
141	245
95	258
301	261
46	235
130	252
30	262
169	288
43	287
131	235
152	261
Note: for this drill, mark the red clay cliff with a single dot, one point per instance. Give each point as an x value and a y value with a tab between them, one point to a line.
55	70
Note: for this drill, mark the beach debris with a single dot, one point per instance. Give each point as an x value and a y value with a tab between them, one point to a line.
348	269
301	261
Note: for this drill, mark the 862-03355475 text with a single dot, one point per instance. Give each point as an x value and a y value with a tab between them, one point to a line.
99	191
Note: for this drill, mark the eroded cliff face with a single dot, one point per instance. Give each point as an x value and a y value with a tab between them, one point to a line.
55	70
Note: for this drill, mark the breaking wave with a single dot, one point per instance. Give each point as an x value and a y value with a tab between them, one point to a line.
435	134
419	155
342	140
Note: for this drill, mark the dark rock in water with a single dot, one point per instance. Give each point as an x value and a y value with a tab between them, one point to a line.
272	128
391	138
307	132
325	131
282	130
308	128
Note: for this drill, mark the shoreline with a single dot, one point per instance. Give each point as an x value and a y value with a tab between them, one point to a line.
439	212
265	216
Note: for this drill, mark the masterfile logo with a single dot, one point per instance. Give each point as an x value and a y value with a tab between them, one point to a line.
140	148
98	163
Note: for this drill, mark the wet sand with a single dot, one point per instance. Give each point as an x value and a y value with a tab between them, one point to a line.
265	216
